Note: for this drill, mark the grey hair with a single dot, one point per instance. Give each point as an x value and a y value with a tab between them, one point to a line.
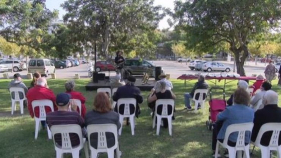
160	86
41	81
270	97
69	85
243	84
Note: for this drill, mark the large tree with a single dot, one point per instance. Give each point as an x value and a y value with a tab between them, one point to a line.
212	22
109	22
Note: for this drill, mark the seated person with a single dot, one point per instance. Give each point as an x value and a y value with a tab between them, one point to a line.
239	112
115	81
102	114
36	75
241	84
69	87
201	84
39	92
269	114
162	77
17	82
255	99
258	83
160	93
128	91
65	117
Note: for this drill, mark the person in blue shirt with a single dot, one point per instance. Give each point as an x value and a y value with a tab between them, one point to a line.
239	112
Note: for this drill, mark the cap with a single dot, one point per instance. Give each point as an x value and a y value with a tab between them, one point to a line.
131	79
16	75
63	99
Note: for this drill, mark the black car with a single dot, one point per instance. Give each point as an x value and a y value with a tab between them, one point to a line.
60	64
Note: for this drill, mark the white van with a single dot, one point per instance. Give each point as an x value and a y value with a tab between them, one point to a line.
42	66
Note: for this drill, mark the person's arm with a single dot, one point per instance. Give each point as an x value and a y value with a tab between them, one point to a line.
116	60
223	115
29	105
255	99
257	126
25	88
173	95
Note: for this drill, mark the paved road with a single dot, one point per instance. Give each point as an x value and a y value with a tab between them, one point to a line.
173	68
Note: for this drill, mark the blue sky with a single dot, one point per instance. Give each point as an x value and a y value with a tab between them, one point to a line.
55	4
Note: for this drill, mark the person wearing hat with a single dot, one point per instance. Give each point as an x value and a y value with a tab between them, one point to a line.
169	85
17	82
65	117
255	99
129	91
258	83
201	84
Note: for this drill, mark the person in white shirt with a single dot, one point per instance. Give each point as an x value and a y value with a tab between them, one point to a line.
169	85
255	99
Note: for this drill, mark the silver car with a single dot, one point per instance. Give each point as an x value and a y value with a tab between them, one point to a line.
277	66
215	66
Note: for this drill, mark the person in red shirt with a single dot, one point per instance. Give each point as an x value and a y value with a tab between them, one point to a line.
258	83
69	87
39	92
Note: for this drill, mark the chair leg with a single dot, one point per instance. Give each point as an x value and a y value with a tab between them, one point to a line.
13	108
110	153
132	122
158	125
94	154
196	106
49	132
217	150
231	153
279	152
153	123
118	152
121	122
21	106
265	153
75	154
37	124
170	125
247	152
59	154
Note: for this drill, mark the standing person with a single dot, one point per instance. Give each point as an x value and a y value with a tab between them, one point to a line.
279	82
119	61
201	84
39	92
102	114
69	87
269	72
129	91
17	82
258	83
65	117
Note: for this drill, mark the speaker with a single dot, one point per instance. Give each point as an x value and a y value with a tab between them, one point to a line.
158	71
95	77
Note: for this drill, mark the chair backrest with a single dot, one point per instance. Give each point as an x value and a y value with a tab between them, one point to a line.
257	107
42	104
102	129
106	90
17	91
251	91
165	103
114	90
275	128
202	94
65	130
126	102
79	105
241	128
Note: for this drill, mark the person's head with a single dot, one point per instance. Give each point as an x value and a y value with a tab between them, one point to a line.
201	78
17	77
260	77
270	62
62	101
119	52
131	80
266	86
102	103
242	84
160	86
41	82
69	85
162	75
241	96
270	97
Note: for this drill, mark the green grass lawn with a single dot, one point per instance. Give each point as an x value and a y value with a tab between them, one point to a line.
190	139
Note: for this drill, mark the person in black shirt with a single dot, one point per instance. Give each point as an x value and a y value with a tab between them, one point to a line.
160	92
119	61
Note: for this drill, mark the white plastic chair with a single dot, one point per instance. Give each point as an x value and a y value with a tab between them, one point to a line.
273	145
101	129
105	90
66	146
240	143
251	91
41	104
17	91
200	100
79	105
127	102
164	114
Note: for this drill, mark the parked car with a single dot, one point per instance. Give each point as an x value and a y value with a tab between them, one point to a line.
215	66
198	66
3	68
183	60
104	66
43	66
60	64
16	65
76	62
72	63
277	66
138	67
67	63
193	63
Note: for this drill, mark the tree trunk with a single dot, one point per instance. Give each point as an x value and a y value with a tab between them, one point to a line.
239	62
